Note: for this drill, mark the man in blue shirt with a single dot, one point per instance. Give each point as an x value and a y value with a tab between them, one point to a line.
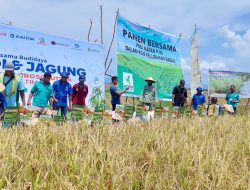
62	90
3	102
115	93
198	99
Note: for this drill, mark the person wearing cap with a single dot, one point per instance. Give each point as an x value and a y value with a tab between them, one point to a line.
179	95
62	90
3	103
115	93
43	93
80	91
13	86
198	99
233	98
149	94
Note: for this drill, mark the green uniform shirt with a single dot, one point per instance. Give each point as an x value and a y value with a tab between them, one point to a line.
149	94
232	96
42	92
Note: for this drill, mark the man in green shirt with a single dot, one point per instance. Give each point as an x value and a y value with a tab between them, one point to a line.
43	93
149	94
233	97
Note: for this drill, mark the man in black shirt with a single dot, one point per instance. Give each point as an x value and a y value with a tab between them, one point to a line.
179	94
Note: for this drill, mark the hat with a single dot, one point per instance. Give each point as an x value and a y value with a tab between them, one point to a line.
150	79
9	66
82	78
2	87
64	74
199	89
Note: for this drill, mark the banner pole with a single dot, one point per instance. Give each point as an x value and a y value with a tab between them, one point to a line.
90	27
101	26
117	13
126	100
247	104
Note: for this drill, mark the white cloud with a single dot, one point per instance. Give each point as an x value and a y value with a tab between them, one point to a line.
240	43
225	45
70	18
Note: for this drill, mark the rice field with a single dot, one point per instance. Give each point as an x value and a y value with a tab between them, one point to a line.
197	153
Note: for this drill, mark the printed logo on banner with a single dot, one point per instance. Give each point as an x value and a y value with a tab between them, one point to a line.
3	34
128	81
59	44
42	41
21	37
93	50
77	47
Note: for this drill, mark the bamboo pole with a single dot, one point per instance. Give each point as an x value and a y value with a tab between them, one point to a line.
117	13
108	66
90	27
101	26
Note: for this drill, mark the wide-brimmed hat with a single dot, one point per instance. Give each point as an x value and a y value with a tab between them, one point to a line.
150	79
2	87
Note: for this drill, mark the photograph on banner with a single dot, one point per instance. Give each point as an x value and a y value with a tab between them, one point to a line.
220	81
34	53
143	52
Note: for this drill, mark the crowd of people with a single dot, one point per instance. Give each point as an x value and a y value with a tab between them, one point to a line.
62	96
179	97
46	97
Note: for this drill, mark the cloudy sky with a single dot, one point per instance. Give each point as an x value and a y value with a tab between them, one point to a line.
223	25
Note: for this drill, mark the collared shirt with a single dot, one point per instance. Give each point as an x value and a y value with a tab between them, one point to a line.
149	94
198	99
115	98
80	94
232	96
61	91
12	100
42	93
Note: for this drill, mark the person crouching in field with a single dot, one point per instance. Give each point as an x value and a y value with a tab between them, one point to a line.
213	109
198	99
149	97
233	98
62	93
43	93
115	93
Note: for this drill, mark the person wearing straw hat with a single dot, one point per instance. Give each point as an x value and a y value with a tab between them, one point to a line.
13	86
3	103
149	94
62	94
